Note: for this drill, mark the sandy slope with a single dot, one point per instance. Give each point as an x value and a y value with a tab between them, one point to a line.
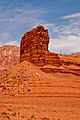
27	93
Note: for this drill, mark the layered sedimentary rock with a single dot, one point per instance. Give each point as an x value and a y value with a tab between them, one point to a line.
34	48
9	56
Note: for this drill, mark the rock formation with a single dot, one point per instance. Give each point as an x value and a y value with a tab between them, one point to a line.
9	56
34	48
76	54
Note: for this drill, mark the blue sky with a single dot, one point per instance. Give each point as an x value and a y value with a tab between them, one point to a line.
60	17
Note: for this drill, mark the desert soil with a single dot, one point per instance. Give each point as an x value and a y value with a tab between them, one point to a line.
30	94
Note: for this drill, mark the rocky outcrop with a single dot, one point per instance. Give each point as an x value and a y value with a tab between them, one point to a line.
9	56
76	54
34	48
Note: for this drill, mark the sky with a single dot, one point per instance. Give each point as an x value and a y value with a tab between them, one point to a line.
60	17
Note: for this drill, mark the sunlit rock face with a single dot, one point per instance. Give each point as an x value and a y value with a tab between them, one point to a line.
9	56
34	48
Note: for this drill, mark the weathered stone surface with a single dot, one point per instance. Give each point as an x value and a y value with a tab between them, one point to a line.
34	48
9	56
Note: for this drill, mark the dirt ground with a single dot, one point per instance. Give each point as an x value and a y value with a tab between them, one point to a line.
39	108
27	93
57	99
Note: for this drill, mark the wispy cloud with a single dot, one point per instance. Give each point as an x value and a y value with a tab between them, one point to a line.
65	38
75	15
9	42
14	20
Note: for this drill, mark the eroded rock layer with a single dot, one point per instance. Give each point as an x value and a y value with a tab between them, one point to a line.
9	56
34	48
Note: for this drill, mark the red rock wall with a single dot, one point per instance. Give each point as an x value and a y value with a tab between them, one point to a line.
34	48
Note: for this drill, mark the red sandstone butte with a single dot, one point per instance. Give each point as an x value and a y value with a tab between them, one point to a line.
34	48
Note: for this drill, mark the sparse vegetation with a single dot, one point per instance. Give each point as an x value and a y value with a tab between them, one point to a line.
28	90
44	118
4	113
14	114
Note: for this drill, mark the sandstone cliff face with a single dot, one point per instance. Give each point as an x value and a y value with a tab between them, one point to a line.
9	56
34	48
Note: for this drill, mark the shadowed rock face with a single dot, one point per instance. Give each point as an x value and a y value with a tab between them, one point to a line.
34	48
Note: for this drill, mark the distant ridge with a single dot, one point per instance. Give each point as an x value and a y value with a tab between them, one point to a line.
76	54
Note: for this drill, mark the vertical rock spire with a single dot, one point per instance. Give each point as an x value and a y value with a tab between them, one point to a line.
34	48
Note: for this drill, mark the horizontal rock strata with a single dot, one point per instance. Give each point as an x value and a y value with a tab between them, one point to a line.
34	48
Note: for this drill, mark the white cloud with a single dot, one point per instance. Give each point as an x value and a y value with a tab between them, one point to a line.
64	38
76	15
65	44
10	42
13	21
67	39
